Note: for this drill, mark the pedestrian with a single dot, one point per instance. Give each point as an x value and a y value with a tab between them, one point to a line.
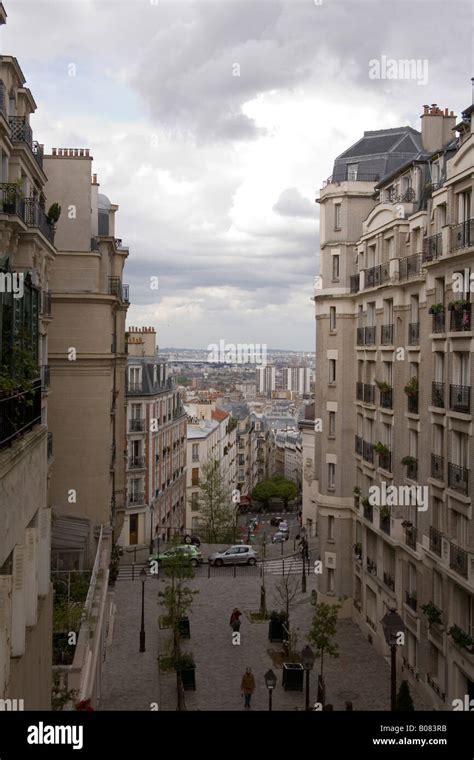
247	687
235	619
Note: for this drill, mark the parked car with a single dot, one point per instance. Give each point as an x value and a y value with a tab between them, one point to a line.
275	521
279	537
190	553
191	539
242	554
283	527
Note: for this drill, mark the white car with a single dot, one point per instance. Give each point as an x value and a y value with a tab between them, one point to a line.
242	554
283	527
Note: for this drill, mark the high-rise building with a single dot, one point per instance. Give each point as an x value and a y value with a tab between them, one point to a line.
298	379
27	254
156	445
266	380
393	414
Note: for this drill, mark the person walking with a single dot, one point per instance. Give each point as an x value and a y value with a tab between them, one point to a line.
247	687
235	619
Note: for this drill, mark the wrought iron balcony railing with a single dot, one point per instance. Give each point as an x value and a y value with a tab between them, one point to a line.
386	335
38	153
386	399
137	425
458	478
414	334
368	451
369	337
432	247
126	293
11	201
460	398
412	469
377	275
20	130
413	403
461	318
136	498
35	216
19	412
410	537
409	266
435	540
458	560
359	442
439	322
355	283
437	466
136	462
437	394
385	462
462	235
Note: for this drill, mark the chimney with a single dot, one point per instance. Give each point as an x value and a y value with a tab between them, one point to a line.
436	127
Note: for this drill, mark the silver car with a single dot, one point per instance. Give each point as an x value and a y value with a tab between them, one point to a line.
243	554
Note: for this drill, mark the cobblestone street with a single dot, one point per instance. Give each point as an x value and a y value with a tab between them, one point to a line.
133	681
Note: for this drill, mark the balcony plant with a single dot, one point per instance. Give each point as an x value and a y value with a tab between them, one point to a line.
407	524
365	502
356	491
385	513
409	461
383	386
381	448
433	613
411	388
436	308
358	549
22	368
411	598
460	637
52	217
458	305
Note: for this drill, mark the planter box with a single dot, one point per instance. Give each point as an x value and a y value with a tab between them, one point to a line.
293	674
183	628
188	678
276	631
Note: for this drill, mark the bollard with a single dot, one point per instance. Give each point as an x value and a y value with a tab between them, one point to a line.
283	573
133	571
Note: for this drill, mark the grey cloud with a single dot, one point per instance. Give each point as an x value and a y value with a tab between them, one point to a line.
292	203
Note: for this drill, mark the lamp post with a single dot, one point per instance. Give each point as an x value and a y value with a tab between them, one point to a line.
270	683
151	528
142	629
393	626
304	552
307	660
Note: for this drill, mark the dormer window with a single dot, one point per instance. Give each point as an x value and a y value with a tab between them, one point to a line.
352	170
135	378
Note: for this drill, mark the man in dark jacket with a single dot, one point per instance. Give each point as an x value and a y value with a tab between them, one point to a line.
247	686
235	619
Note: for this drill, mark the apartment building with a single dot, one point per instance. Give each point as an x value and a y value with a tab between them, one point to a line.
266	380
298	380
27	254
87	359
156	445
393	401
289	455
212	435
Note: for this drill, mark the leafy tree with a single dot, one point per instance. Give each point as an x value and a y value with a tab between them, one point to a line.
217	515
287	491
404	701
264	491
323	630
286	591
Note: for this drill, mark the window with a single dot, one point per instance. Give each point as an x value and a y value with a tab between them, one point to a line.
330	586
335	268
337	216
134	378
195	476
332	424
331	476
195	454
332	370
332	318
331	528
352	170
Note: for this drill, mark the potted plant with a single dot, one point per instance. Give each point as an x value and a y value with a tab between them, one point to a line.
356	491
433	613
461	638
409	461
380	448
407	524
184	664
411	388
436	308
358	549
52	217
383	386
365	502
277	625
385	513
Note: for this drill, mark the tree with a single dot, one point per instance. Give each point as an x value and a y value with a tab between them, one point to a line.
217	516
323	630
264	491
404	701
286	592
287	491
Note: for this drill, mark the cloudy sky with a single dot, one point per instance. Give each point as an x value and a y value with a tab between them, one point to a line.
213	124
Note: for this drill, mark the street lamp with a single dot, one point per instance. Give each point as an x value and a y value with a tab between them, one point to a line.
307	660
270	683
393	626
151	528
142	629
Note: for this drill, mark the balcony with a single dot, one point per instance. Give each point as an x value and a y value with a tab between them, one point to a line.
435	540
365	393
439	321
371	566
411	600
368	452
49	447
385	463
386	335
458	560
437	466
410	537
11	201
377	275
458	478
355	283
134	387
20	130
412	467
115	286
35	216
414	334
369	336
136	425
460	318
45	377
135	498
386	399
389	580
409	266
38	153
126	293
437	394
359	444
412	403
19	412
385	523
136	463
462	235
368	511
346	175
460	398
45	308
432	247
